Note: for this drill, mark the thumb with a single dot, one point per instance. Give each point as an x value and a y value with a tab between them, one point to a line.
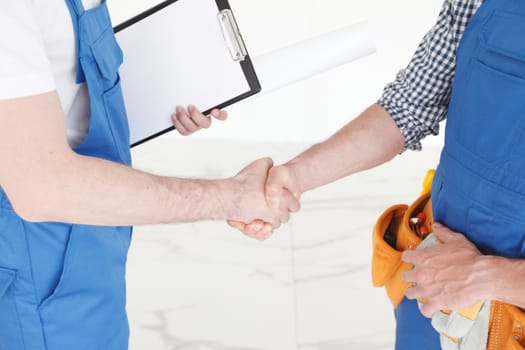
237	224
428	309
219	114
273	193
279	179
260	166
444	234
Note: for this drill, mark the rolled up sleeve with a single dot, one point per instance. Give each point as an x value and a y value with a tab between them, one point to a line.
418	98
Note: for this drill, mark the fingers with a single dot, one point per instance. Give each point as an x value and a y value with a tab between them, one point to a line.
237	225
284	217
444	234
262	230
273	193
289	202
253	228
429	309
418	292
187	121
259	167
414	293
412	276
254	177
414	257
219	114
175	118
409	276
257	229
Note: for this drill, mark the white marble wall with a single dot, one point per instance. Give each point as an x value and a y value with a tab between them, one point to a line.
204	286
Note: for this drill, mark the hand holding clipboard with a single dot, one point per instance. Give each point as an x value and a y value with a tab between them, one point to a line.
191	51
181	52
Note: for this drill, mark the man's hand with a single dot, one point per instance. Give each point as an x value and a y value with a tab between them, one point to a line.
449	276
281	180
280	185
187	121
250	204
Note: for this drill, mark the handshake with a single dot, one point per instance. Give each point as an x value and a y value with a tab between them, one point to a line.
260	198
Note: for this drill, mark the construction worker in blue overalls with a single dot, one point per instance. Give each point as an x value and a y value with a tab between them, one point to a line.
53	275
65	216
479	187
478	193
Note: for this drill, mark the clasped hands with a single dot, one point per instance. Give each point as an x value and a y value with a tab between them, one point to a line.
449	275
267	197
261	197
258	199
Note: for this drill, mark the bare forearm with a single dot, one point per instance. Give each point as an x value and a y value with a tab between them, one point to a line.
46	181
94	191
371	139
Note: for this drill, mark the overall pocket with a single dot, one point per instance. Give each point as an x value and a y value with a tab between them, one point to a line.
87	308
495	233
501	43
494	102
63	276
10	332
108	135
108	57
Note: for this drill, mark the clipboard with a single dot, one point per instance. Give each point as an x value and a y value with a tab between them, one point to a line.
181	52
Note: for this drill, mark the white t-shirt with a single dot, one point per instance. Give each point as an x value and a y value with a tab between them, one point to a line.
38	55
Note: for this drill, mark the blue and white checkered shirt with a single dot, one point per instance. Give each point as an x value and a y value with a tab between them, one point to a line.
419	97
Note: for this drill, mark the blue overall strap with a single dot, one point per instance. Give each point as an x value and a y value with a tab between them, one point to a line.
99	60
479	186
83	306
76	9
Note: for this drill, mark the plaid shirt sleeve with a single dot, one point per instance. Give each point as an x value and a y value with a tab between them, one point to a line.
418	98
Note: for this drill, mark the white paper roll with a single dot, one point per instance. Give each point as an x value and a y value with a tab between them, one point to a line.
305	59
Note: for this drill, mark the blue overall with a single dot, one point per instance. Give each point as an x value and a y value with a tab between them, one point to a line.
479	186
62	286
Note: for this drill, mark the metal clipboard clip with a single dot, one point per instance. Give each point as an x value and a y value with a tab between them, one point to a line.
232	36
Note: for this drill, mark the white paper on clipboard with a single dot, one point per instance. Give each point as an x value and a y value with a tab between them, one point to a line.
177	54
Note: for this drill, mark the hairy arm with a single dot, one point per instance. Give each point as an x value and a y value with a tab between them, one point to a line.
454	275
46	181
369	140
507	277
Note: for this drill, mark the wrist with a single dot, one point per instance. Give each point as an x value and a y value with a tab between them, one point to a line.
489	276
226	195
506	277
191	200
298	173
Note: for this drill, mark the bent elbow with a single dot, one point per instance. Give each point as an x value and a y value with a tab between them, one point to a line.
28	207
30	214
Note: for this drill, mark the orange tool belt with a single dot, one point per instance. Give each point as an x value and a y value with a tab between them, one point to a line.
397	230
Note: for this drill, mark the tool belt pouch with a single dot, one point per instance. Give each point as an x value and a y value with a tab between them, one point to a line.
506	328
392	235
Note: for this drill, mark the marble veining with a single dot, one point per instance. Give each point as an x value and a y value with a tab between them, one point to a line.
204	286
